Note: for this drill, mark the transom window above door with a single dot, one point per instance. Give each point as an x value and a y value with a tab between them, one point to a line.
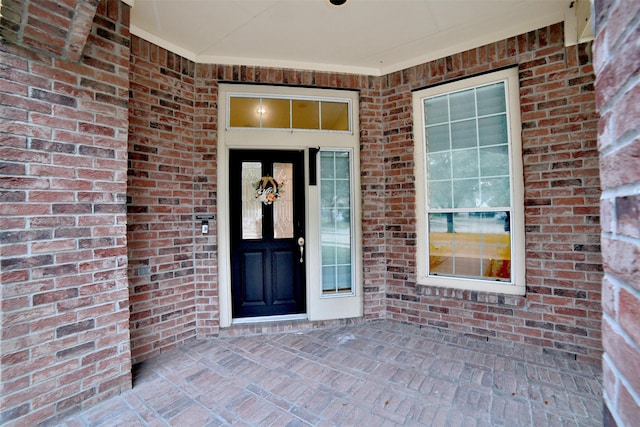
303	114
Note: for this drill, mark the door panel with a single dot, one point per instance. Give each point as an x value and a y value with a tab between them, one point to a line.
283	264
252	272
267	273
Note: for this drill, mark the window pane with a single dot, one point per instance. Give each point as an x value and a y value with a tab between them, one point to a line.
439	194
494	161
436	110
466	193
465	163
275	113
437	138
462	105
440	252
494	192
244	112
463	134
474	245
283	206
327	193
342	193
342	165
328	279
335	221
439	165
327	167
491	99
251	206
305	114
335	115
493	130
343	278
329	254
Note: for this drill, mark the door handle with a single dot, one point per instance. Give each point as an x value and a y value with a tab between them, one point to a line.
301	245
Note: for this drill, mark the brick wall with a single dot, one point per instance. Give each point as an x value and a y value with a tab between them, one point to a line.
561	311
160	200
205	196
65	308
617	53
58	28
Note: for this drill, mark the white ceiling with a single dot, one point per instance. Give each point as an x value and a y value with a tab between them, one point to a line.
372	37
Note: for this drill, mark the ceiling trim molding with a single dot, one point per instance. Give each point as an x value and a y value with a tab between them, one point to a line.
137	31
295	65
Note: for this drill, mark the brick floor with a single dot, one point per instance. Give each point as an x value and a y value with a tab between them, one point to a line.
371	374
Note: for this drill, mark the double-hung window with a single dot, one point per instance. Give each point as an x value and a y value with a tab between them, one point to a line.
469	184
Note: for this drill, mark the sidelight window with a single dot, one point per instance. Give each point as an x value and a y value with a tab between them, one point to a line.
336	225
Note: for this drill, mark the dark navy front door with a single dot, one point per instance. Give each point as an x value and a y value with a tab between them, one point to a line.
266	194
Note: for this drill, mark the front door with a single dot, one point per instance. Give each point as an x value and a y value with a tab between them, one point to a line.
266	200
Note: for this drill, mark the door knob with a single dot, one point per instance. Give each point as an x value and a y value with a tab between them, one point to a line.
301	245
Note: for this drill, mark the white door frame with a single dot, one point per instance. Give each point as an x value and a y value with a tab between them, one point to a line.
319	307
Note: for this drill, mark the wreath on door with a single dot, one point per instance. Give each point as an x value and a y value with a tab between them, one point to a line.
268	190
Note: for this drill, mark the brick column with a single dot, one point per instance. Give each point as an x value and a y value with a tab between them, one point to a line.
617	62
63	171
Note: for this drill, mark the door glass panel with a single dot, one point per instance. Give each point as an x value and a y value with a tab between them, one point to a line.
251	206
335	222
283	206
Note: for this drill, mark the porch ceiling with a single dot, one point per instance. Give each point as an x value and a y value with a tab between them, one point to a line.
372	37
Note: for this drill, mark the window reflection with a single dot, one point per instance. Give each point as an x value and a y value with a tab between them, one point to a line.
470	244
335	222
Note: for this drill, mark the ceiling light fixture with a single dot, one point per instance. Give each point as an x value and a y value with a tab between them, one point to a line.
337	2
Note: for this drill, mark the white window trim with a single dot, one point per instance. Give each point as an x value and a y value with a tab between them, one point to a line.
517	284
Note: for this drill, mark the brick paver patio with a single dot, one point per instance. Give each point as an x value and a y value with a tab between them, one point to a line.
379	373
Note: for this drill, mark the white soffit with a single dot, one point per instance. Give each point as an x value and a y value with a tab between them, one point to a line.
372	37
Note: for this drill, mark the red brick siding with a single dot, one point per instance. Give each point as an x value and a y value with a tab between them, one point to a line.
617	59
65	300
160	200
59	28
561	311
205	196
